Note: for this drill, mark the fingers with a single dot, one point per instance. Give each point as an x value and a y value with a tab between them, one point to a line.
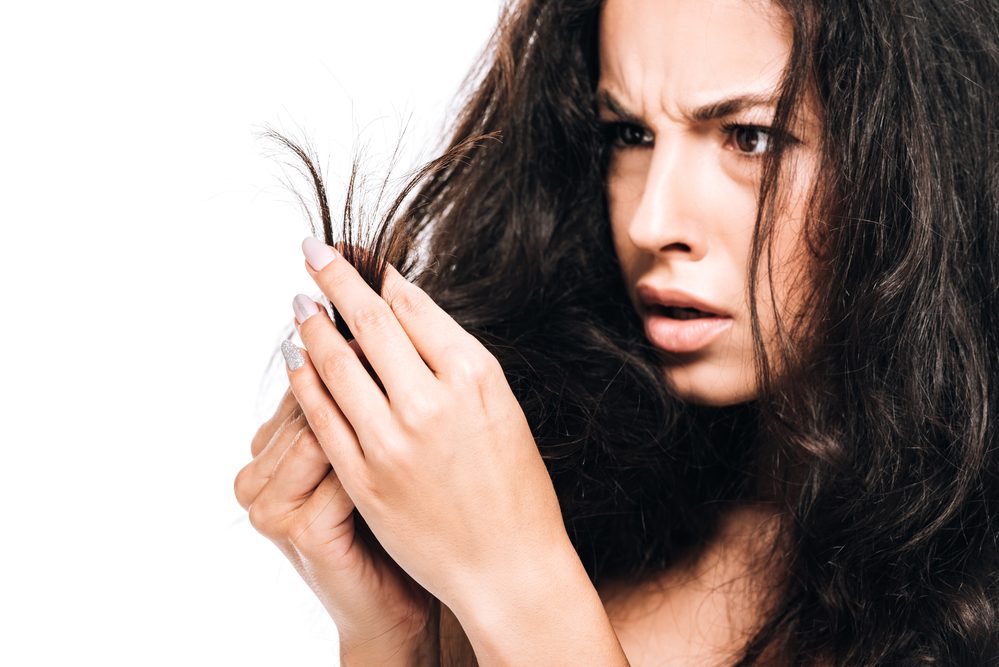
323	517
375	326
331	368
298	472
292	494
335	433
255	475
438	338
287	406
301	468
273	438
303	508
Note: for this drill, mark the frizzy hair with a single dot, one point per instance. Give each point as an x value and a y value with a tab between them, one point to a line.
878	438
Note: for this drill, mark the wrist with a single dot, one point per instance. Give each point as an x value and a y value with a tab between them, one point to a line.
545	612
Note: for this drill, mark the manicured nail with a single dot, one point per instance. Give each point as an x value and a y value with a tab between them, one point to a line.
292	355
304	307
317	253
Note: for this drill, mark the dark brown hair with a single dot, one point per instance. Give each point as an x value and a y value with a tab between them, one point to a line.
880	434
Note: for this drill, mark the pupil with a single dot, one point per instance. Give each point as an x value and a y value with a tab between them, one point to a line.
631	134
747	145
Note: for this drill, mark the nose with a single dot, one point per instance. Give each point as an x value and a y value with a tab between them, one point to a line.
669	219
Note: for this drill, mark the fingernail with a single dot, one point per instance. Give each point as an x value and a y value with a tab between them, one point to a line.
292	355
317	253
304	307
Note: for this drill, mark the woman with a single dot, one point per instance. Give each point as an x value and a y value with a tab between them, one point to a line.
737	262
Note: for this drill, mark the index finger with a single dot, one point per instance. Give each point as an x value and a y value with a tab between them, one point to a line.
375	326
431	331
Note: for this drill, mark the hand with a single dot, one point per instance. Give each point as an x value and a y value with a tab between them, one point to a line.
442	465
295	498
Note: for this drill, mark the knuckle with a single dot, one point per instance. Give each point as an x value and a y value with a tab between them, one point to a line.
335	364
407	300
420	411
323	420
243	486
371	317
492	368
474	366
263	520
305	533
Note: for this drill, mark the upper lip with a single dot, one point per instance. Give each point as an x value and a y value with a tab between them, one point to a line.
651	295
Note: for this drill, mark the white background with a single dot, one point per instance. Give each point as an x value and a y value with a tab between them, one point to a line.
149	256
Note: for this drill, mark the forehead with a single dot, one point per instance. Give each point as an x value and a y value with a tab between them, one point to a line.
660	53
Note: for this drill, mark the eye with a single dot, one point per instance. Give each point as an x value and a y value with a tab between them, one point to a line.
625	135
750	140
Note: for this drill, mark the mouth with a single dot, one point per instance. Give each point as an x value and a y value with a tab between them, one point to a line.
678	321
679	312
681	329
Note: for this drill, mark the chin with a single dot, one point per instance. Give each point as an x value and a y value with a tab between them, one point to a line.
704	383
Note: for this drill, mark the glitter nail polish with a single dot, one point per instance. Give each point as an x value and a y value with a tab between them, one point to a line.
292	355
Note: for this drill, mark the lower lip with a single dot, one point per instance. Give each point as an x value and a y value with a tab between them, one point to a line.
681	336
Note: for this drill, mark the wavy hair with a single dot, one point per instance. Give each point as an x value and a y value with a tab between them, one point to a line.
878	439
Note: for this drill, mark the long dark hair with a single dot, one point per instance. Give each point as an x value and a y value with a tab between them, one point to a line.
878	438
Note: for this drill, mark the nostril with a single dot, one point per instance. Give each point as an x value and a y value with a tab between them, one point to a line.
683	247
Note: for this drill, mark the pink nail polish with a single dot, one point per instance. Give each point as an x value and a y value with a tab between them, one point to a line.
317	253
304	307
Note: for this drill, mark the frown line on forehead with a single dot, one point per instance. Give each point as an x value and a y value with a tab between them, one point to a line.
716	110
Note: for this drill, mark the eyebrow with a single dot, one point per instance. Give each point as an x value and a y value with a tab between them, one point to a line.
714	111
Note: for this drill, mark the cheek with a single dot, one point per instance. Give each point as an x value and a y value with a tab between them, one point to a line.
791	271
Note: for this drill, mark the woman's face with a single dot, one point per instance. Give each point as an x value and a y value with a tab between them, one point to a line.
684	175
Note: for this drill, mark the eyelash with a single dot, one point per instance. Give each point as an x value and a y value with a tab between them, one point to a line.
611	133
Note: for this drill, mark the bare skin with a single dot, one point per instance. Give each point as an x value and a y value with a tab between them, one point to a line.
682	189
476	525
702	611
296	500
682	202
691	614
682	207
